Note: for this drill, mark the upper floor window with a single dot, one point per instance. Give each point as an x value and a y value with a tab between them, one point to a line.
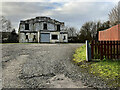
58	27
26	26
45	26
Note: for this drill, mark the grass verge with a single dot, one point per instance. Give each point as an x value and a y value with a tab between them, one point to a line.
80	54
108	70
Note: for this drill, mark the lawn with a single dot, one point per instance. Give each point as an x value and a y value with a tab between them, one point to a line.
108	70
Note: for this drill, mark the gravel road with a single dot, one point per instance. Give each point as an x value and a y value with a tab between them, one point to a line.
40	66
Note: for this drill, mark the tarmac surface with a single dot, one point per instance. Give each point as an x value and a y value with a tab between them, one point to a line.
40	66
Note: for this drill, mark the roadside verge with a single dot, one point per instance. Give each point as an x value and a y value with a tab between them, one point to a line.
98	74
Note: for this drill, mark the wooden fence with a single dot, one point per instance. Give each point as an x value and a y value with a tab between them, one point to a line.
105	49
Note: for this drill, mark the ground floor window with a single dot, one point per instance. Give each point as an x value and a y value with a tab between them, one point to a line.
34	37
64	38
55	37
26	36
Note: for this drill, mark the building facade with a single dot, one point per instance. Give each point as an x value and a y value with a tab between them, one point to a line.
42	29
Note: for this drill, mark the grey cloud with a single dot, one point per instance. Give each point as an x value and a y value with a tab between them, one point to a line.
75	14
15	11
96	11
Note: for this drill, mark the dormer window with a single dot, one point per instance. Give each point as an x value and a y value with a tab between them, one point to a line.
45	26
26	26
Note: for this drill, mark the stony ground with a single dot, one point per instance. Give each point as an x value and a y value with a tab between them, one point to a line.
40	66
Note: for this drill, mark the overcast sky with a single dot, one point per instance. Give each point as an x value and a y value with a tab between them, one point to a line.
73	13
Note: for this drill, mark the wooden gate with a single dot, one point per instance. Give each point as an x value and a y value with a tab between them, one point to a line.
105	49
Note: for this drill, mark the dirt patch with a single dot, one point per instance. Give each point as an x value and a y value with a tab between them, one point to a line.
11	72
60	81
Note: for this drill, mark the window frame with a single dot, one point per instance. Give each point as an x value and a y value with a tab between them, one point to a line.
45	26
26	37
27	26
54	37
64	38
58	27
34	37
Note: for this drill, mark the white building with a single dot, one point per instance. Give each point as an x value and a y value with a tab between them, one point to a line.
42	29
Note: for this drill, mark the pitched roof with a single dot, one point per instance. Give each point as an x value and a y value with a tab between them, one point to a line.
41	19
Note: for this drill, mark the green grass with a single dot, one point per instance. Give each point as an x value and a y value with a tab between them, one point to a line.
108	70
80	54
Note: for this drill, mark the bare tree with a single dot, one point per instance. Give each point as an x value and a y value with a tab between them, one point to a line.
114	15
89	30
5	25
86	31
119	12
71	31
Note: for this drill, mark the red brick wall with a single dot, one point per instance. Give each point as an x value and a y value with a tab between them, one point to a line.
111	34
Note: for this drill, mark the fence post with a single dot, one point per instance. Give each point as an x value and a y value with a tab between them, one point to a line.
88	51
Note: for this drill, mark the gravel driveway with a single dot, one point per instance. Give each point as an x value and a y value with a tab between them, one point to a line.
40	66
